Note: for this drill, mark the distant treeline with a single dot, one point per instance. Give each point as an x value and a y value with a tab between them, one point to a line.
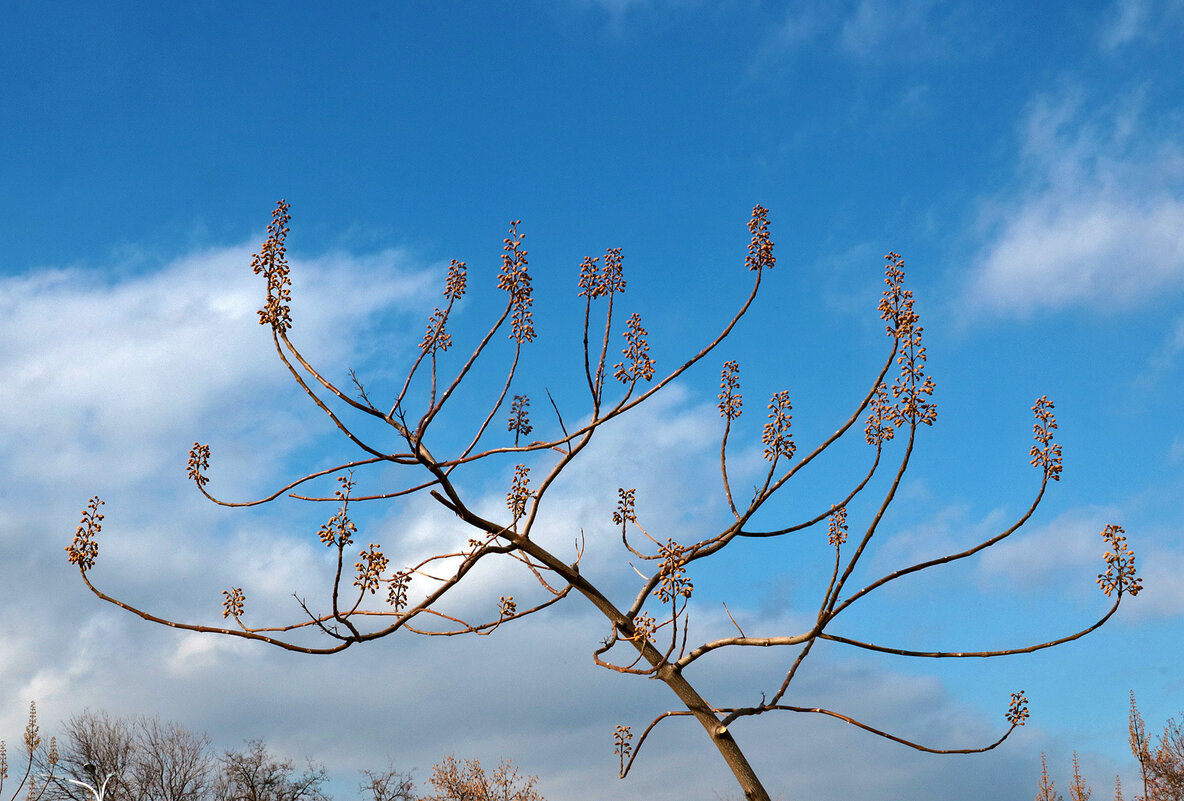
104	758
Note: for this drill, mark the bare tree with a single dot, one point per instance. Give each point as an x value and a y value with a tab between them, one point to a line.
172	763
96	746
34	756
1168	767
467	781
255	775
1078	789
649	622
387	785
1047	789
1161	765
148	760
1137	738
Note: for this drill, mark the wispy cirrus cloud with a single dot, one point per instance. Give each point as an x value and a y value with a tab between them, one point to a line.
860	30
1095	217
1130	21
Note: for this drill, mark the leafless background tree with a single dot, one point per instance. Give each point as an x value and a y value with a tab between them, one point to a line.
466	780
387	785
254	774
148	760
1161	765
151	760
647	631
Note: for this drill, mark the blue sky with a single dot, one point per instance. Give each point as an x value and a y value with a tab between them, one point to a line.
1027	161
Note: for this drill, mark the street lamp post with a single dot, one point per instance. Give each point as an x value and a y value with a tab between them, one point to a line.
90	768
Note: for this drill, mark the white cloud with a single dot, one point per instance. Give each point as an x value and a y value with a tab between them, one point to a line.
1131	20
1125	23
1057	553
1097	219
99	367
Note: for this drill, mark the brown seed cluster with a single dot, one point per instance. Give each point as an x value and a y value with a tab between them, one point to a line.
271	261
599	281
519	492
455	285
644	627
84	550
370	569
879	428
516	280
232	602
1017	709
760	249
520	417
199	462
339	530
621	745
730	401
896	304
626	507
674	582
436	338
1045	453
637	352
837	526
507	606
776	437
1120	572
912	390
396	594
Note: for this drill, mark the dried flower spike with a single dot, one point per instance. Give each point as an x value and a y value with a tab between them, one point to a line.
837	526
84	550
515	280
271	261
621	745
519	492
644	627
397	589
1017	709
339	530
589	281
370	569
32	731
730	400
1120	572
1045	453
879	428
232	602
637	351
454	286
896	304
626	507
674	582
436	338
199	462
776	437
520	417
760	249
507	606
